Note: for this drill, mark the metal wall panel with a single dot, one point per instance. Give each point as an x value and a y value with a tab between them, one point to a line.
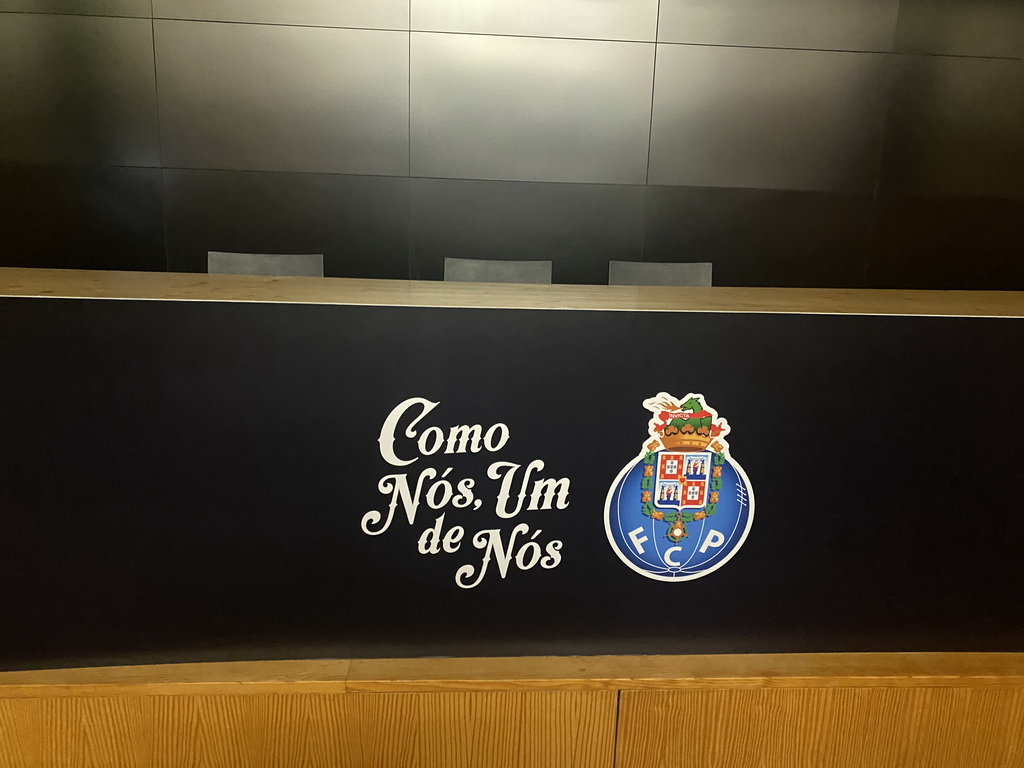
530	109
245	96
773	119
77	89
605	19
962	27
955	128
845	25
378	14
61	217
139	8
359	223
762	237
965	244
578	227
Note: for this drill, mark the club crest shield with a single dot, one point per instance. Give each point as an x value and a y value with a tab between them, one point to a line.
683	507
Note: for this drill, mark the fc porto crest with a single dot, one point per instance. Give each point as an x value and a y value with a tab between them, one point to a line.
682	508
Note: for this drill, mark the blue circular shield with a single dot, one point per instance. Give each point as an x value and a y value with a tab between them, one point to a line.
673	524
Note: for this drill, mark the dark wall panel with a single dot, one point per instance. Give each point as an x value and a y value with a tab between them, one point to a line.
948	244
827	97
78	218
843	25
359	223
186	480
761	237
962	27
775	119
276	98
955	128
579	227
77	89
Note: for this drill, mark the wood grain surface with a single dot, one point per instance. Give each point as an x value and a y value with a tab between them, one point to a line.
21	732
689	671
530	729
200	287
308	676
823	728
941	710
566	673
94	732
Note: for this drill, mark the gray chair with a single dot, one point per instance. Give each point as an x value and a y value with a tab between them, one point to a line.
492	271
654	273
285	265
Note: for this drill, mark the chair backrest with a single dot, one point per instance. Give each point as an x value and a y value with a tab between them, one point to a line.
289	265
494	271
659	273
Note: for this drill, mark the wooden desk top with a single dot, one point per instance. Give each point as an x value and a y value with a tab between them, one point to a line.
56	283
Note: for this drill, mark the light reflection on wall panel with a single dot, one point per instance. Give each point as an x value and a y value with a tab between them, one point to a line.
530	109
277	98
378	14
603	19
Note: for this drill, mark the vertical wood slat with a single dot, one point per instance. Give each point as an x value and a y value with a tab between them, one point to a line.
312	731
822	728
210	730
21	733
111	732
527	729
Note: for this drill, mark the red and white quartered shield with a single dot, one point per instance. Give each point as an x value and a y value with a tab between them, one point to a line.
682	480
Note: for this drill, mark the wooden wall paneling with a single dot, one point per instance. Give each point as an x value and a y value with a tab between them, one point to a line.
849	710
525	729
382	727
574	729
21	733
211	730
442	729
312	731
478	730
108	732
980	727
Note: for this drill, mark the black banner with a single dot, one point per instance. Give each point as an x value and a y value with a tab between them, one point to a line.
194	481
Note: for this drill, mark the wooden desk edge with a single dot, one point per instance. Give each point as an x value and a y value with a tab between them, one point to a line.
548	673
55	283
